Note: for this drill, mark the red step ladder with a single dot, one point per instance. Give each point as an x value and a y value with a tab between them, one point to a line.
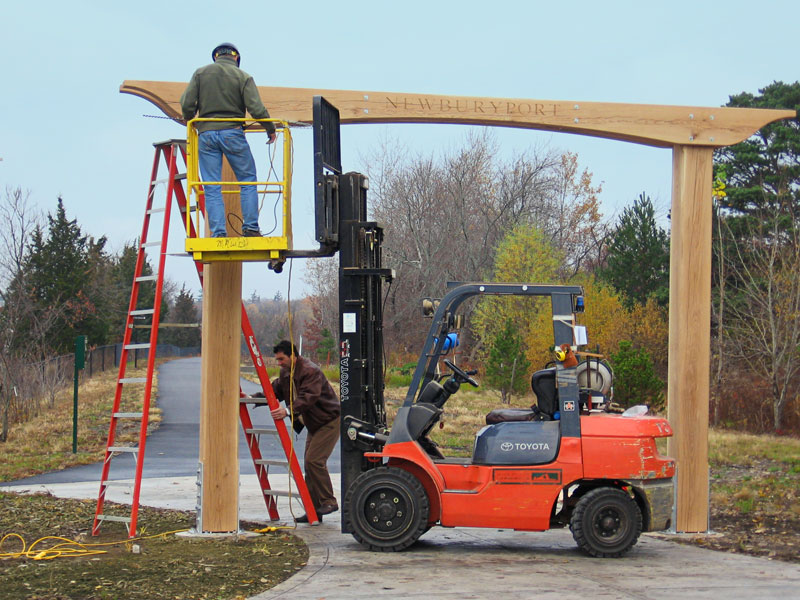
170	151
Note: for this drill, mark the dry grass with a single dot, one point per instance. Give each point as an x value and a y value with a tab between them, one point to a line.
45	443
464	415
736	448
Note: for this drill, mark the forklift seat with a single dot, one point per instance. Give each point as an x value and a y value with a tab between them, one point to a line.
543	384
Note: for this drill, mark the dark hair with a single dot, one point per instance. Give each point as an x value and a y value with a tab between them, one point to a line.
285	347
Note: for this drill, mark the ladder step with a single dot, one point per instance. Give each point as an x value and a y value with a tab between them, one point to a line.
142	311
149	244
260	401
113	518
127	415
152	277
271	463
131	449
281	493
155	210
133	380
135	346
118	484
261	430
178	177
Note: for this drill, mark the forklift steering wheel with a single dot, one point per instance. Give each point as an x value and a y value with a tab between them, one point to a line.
461	374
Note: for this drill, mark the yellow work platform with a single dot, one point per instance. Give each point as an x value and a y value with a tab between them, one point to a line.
239	249
246	249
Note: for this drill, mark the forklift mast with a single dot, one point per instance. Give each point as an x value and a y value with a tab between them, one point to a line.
340	202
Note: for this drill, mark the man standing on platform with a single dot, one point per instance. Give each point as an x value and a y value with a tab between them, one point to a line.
222	90
316	404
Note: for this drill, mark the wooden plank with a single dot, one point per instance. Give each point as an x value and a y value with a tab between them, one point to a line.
690	332
219	419
655	125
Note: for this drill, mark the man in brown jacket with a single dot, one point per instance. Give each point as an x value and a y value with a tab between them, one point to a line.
316	404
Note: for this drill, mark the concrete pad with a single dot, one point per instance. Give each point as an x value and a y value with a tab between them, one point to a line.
477	563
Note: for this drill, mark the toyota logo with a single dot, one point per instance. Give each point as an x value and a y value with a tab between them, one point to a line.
506	446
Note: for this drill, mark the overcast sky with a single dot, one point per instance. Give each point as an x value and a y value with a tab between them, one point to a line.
66	130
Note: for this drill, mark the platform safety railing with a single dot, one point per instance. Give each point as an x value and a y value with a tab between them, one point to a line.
239	248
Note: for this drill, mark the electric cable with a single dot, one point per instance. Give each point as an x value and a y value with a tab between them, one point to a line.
291	378
383	338
67	547
235	221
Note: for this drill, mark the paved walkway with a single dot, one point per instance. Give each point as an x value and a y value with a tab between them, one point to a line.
454	563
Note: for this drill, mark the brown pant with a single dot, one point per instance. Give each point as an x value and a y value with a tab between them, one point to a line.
319	446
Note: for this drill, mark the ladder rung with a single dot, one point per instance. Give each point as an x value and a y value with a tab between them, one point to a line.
155	210
135	346
133	380
132	449
127	415
113	518
279	493
143	311
260	430
271	463
152	277
178	177
118	484
253	401
149	244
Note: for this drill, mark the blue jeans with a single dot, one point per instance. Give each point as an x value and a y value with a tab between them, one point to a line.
232	143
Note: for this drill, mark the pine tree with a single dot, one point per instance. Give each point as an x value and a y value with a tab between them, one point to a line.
635	381
61	269
637	263
507	367
764	170
184	312
122	274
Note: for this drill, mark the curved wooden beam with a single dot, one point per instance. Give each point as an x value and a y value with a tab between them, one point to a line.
650	124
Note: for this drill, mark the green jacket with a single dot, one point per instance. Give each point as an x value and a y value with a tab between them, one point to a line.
222	90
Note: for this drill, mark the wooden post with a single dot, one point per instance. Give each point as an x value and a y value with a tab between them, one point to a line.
690	331
219	418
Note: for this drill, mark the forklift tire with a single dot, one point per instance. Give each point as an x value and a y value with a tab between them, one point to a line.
387	509
606	522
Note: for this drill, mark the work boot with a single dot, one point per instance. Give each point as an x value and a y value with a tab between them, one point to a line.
326	509
251	233
304	519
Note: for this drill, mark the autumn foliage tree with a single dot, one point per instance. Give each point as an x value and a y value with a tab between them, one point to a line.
446	218
524	256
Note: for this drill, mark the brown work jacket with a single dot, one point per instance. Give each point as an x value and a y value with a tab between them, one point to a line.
314	398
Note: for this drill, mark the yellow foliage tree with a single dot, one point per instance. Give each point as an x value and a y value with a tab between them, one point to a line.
607	322
650	331
524	256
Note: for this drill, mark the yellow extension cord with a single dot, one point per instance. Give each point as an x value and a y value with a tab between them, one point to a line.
67	548
70	548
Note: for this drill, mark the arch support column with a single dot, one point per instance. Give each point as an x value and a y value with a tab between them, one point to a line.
690	331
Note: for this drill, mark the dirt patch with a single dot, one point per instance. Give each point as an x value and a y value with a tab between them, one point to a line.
755	510
768	536
160	566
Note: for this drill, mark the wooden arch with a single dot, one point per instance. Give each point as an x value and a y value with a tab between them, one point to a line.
691	131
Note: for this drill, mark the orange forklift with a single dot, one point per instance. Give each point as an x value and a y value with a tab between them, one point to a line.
561	463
